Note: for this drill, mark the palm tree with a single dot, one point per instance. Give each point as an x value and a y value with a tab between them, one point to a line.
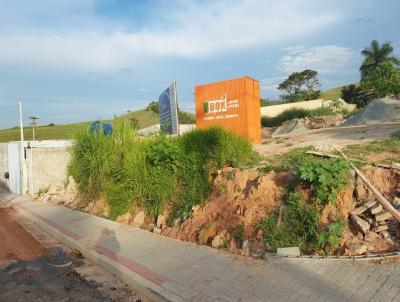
376	54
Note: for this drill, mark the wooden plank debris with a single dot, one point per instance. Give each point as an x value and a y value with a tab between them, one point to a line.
324	154
384	202
361	209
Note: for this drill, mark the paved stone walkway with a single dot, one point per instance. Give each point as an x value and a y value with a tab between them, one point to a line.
181	271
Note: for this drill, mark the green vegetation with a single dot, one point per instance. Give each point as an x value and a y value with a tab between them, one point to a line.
268	102
138	119
300	86
184	117
380	75
296	222
144	119
382	80
332	94
157	174
153	106
295	225
390	145
238	235
328	240
376	54
353	94
326	177
294	113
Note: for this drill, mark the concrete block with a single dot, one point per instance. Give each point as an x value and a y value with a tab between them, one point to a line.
383	216
376	209
360	224
288	251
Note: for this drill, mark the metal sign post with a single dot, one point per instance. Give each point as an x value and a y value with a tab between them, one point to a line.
168	101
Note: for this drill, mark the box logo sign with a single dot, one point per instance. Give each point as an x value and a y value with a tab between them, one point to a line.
214	108
169	110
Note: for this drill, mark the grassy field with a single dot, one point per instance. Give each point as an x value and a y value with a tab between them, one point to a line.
332	94
68	131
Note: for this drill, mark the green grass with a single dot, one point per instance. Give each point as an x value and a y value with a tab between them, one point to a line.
153	174
332	94
143	118
295	113
390	145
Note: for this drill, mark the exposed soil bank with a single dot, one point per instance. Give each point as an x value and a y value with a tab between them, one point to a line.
241	198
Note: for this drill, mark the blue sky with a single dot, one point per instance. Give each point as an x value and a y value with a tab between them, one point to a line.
77	60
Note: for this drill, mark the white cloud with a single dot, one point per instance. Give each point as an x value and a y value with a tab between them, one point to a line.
270	85
328	59
192	31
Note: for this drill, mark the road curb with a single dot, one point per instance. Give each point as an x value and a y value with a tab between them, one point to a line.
151	291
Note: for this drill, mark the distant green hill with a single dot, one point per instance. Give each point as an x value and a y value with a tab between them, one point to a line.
332	94
142	118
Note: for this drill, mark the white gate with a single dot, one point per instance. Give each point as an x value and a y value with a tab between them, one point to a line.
14	168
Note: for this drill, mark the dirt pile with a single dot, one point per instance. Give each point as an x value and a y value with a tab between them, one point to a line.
303	124
292	126
378	111
326	121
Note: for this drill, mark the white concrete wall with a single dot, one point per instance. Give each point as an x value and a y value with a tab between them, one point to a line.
272	111
3	164
49	167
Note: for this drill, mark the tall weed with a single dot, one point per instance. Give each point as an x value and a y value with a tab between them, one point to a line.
154	174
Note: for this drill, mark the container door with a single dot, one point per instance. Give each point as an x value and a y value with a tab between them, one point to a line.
14	168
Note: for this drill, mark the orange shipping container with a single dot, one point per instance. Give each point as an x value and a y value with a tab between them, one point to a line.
231	104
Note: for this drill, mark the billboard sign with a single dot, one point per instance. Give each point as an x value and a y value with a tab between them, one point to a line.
169	110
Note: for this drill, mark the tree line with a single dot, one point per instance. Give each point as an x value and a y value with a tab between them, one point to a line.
379	77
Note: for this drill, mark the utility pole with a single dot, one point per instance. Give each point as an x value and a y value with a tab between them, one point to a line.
33	124
21	126
21	150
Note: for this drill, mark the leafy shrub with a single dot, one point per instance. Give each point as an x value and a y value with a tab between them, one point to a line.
382	80
298	225
329	239
353	94
186	117
294	113
326	177
153	106
163	152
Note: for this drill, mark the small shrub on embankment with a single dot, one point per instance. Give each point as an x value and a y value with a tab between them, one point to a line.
296	221
295	113
156	173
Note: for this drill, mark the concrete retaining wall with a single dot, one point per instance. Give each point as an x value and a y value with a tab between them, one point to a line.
272	111
3	164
